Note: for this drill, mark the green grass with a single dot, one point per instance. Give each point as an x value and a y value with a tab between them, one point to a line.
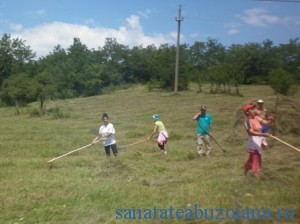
85	187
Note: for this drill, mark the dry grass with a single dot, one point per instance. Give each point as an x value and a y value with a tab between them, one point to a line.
84	187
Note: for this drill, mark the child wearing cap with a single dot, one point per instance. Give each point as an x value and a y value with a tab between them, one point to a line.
256	140
162	133
262	112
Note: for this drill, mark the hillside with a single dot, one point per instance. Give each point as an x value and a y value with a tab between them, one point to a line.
85	187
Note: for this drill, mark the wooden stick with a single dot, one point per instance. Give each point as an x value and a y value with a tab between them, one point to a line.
217	142
293	147
124	146
212	138
70	152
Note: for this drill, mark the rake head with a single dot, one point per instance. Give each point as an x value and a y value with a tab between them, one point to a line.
122	148
50	165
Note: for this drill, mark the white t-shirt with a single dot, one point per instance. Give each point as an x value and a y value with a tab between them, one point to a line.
108	134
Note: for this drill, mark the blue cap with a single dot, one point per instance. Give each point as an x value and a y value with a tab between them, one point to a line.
155	116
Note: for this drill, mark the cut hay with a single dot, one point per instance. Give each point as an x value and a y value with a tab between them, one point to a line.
287	117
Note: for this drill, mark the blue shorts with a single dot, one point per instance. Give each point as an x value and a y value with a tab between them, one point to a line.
264	128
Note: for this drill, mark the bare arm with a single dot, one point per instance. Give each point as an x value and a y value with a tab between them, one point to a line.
196	116
97	139
256	133
153	133
266	121
211	130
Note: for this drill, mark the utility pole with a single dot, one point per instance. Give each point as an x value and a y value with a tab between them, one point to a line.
178	19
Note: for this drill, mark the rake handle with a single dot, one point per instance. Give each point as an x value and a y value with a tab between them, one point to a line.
291	146
212	138
124	146
75	150
217	142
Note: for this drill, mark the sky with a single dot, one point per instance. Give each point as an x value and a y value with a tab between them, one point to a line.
44	24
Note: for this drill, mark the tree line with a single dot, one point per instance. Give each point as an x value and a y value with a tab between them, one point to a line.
79	72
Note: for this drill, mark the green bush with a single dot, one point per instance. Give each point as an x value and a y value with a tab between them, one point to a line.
282	82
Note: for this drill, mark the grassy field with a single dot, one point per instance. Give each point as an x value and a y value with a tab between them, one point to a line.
85	187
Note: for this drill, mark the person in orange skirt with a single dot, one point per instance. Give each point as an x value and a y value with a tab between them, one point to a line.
256	139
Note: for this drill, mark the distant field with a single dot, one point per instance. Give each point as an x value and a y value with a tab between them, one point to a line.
85	187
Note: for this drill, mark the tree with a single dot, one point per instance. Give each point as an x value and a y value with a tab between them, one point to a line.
58	65
203	56
281	81
219	77
214	53
289	55
115	56
17	90
98	76
257	62
15	57
195	57
138	64
44	87
78	57
235	61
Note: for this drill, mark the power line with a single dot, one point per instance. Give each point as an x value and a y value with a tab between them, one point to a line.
277	0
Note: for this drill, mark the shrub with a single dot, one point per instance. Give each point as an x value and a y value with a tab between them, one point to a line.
282	82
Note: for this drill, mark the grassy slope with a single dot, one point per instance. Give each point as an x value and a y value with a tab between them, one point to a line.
86	188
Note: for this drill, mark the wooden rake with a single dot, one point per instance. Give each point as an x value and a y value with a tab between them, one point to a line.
135	143
68	153
289	145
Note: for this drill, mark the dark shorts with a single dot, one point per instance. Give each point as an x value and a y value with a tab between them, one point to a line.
113	147
162	147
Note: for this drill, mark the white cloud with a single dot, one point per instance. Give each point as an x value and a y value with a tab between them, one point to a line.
232	28
233	31
134	22
40	12
194	35
174	36
89	21
146	13
291	20
43	38
16	27
258	17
